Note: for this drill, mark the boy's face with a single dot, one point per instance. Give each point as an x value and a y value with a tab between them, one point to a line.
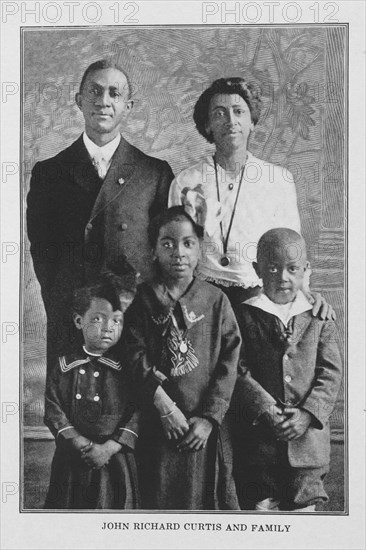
101	326
282	271
177	250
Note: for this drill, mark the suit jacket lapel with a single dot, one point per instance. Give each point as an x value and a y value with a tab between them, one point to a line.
121	170
301	322
82	169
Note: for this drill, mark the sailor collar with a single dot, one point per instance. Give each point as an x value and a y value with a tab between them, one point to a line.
299	305
193	303
72	361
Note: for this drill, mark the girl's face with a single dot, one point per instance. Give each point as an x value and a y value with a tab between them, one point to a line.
177	250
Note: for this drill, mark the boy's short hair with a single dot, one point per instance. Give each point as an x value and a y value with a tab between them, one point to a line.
174	213
279	236
113	288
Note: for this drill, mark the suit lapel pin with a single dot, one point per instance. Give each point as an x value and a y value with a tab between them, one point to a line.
121	181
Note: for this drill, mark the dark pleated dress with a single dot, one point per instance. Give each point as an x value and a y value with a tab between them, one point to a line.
75	486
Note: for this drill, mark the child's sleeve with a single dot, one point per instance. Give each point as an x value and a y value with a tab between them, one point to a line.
321	399
145	377
250	399
217	399
55	417
127	431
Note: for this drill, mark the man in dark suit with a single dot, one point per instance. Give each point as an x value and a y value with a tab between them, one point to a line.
89	206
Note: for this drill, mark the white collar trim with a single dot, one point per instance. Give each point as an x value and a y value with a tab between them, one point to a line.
299	305
90	353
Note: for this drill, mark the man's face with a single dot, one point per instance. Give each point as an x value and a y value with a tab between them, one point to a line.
104	104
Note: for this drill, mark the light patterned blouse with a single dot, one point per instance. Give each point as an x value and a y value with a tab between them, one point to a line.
267	199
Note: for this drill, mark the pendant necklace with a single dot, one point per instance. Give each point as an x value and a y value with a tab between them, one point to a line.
181	335
225	260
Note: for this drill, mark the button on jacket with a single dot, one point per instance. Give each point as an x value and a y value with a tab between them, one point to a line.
79	224
90	396
301	369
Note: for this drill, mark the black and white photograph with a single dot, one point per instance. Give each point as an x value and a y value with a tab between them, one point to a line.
183	276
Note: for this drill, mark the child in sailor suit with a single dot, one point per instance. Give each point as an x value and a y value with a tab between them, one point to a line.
90	410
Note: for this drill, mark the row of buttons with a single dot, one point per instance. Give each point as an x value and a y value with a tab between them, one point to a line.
288	378
122	226
96	373
95	398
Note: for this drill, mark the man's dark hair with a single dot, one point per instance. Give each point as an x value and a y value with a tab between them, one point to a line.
105	64
235	85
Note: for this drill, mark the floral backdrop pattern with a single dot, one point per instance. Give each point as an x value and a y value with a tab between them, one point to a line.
301	73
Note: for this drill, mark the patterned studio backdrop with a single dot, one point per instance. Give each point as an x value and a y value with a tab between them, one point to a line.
301	74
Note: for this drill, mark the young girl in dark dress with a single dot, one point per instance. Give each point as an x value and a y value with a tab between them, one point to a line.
183	344
90	410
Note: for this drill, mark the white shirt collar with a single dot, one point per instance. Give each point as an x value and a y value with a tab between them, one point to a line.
284	312
107	151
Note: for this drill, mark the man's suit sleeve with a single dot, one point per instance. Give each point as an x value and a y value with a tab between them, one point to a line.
165	178
42	227
146	378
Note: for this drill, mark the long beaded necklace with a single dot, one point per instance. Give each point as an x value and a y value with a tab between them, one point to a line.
225	260
181	335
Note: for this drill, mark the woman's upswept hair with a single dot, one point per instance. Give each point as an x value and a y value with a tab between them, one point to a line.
235	85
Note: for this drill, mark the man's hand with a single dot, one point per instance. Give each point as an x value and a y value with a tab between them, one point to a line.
295	425
196	438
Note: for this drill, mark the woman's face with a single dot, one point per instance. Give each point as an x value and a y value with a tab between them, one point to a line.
229	122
